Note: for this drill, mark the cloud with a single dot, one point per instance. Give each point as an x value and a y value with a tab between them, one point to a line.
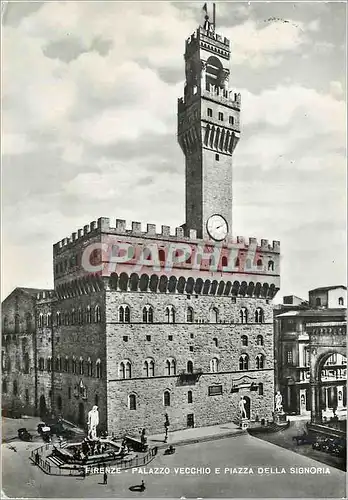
16	144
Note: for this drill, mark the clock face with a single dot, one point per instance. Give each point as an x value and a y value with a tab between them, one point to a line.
217	227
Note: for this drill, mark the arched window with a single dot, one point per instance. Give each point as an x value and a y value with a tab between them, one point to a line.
259	340
88	315
170	314
98	369
125	369
162	255
40	320
170	366
41	364
215	340
259	361
214	365
121	314
189	397
147	314
318	301
214	315
49	319
270	265
73	317
224	261
79	316
15	388
66	364
243	315
340	301
26	362
189	315
49	364
89	367
58	319
166	398
248	264
127	314
97	314
244	339
67	319
81	367
259	263
244	362
58	364
189	367
149	368
259	315
74	365
132	402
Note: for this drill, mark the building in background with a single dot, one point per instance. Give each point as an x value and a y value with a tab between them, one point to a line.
327	306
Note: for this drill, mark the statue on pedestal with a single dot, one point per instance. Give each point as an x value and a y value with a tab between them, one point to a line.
242	408
278	402
93	421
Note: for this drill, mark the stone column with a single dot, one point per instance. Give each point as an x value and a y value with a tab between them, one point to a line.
315	403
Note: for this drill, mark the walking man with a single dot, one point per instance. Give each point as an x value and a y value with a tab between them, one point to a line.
105	476
166	426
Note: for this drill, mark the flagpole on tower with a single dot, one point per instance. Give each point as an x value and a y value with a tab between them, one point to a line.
214	15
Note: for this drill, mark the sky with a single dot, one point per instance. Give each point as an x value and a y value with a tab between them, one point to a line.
89	127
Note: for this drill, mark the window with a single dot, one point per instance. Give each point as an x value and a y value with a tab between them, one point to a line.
243	315
244	340
217	157
214	315
214	365
191	335
73	317
224	261
270	265
69	392
289	357
162	255
221	116
215	340
26	362
170	366
148	338
259	340
259	263
147	314
170	314
260	389
81	367
98	369
27	396
189	315
40	320
97	314
89	367
125	370
210	112
214	390
244	362
248	264
340	301
74	365
66	364
166	398
318	301
259	362
15	388
259	315
96	400
4	386
189	397
125	338
79	316
231	120
58	319
132	402
124	314
189	367
49	364
170	337
191	348
88	315
58	366
41	364
149	368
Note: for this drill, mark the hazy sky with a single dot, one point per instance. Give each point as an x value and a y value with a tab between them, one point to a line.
89	127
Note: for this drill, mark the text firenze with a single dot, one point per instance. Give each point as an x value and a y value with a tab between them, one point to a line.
164	258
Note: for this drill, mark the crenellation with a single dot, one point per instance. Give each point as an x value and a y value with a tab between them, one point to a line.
151	229
93	225
241	239
276	246
120	225
136	227
264	243
73	236
86	229
179	232
165	231
252	242
192	234
103	223
79	233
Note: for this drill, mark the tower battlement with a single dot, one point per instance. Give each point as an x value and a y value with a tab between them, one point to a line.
137	230
210	41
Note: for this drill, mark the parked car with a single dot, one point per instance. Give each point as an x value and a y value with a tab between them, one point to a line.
24	434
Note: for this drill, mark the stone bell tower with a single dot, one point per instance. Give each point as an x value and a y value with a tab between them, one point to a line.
208	130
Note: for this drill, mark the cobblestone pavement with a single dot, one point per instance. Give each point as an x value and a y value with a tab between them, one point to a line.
282	480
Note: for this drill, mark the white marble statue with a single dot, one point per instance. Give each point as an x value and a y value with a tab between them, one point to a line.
242	408
93	421
278	401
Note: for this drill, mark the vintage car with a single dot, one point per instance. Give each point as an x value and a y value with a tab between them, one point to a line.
24	434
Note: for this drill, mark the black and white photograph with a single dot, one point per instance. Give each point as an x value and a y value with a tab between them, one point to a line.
173	249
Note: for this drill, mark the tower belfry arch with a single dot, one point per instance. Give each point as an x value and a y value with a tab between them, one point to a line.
325	339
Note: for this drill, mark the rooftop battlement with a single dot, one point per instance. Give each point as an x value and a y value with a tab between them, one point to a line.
217	94
202	33
102	225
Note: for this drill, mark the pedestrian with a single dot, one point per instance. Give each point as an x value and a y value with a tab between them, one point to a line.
166	426
105	476
142	486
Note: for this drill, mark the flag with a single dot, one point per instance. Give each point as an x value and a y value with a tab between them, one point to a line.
205	8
